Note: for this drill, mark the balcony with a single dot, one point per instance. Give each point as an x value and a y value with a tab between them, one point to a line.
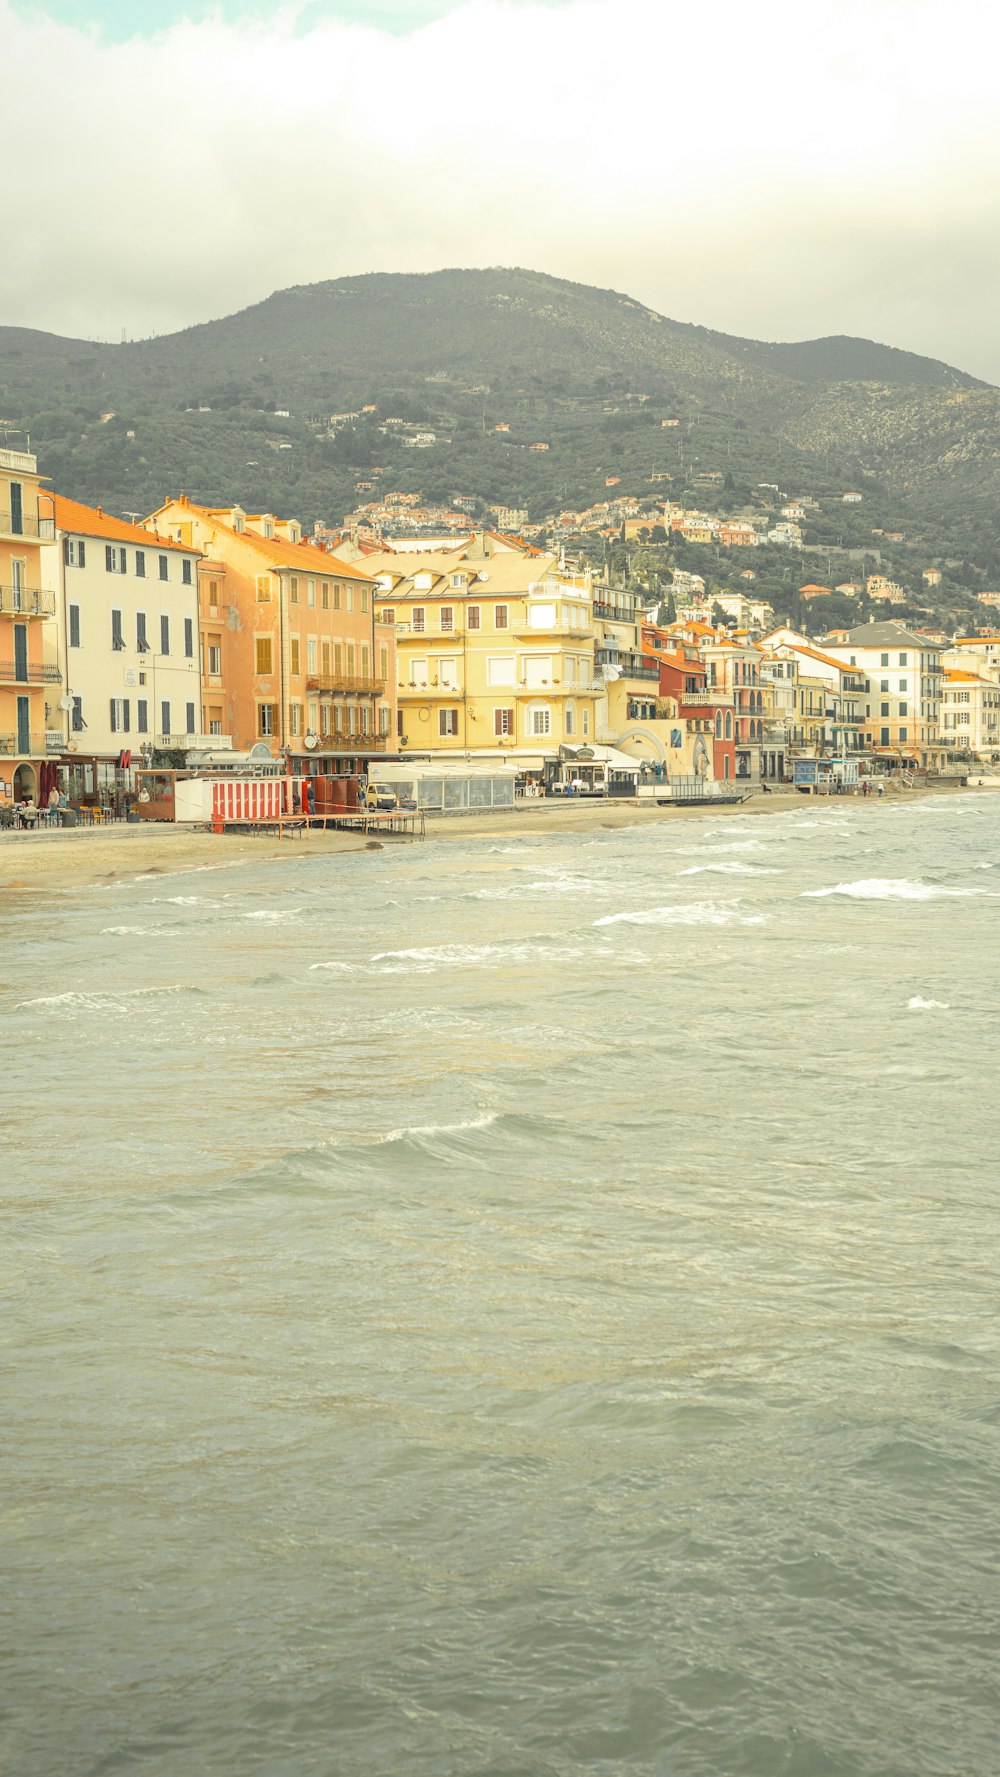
331	684
11	748
339	742
194	743
630	666
27	525
32	674
705	700
22	462
559	626
26	601
55	740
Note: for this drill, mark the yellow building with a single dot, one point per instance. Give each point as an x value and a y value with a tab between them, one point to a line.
30	722
494	650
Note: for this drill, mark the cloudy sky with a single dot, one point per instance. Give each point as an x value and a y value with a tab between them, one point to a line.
779	170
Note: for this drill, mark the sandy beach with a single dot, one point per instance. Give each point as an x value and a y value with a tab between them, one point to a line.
88	857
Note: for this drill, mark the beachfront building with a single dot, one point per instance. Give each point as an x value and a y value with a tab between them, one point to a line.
296	655
127	620
734	666
846	694
702	737
971	714
627	681
29	672
905	675
494	650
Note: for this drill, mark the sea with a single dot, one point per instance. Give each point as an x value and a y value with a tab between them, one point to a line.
509	1307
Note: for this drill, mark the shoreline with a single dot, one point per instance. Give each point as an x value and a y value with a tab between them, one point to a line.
63	862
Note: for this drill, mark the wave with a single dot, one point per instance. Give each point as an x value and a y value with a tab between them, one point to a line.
424	1131
885	888
273	914
696	913
104	1002
729	867
426	959
919	1005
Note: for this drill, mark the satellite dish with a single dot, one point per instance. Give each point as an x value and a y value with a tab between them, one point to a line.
310	740
482	574
66	703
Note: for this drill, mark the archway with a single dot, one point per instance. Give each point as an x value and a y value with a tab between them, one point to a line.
25	783
637	732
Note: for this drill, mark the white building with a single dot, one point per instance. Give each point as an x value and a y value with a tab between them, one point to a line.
971	714
127	623
905	675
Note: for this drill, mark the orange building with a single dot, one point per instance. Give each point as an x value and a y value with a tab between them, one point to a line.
294	653
28	682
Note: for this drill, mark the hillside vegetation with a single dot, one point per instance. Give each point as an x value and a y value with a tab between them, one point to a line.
591	373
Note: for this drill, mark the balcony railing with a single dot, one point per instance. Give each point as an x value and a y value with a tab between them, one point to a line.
11	747
55	740
332	683
26	601
32	674
706	699
27	524
344	743
24	461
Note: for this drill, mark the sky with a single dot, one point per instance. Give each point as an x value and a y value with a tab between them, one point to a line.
778	170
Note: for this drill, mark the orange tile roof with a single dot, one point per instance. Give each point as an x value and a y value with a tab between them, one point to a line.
967	678
814	654
306	556
90	521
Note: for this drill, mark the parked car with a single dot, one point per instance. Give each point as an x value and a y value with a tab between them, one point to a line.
380	799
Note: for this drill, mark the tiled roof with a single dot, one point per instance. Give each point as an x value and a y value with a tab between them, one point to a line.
90	521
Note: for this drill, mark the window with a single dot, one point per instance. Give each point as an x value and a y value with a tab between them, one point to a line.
142	716
364	600
457	580
365	663
348	598
447	722
324	654
293	590
264	589
140	564
293	654
903	734
472	617
189	718
904	709
539	719
336	596
265	718
447	617
570	719
729	725
117	639
904	685
418	671
74	626
903	660
383	662
884	660
77	722
419	619
586	721
500	618
884	742
119	715
214	660
262	655
295	718
189	638
164	567
186	576
74	552
310	592
164	635
500	669
114	559
503	722
311	658
324	595
141	638
165	717
883	685
448	673
213	595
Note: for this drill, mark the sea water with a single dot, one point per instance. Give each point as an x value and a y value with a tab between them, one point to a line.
510	1307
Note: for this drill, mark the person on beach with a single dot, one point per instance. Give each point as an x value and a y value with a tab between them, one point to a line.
881	790
310	797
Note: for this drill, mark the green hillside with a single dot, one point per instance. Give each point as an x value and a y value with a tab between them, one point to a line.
591	373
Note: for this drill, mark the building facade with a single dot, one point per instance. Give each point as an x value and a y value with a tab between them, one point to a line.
127	622
29	672
296	654
494	650
905	678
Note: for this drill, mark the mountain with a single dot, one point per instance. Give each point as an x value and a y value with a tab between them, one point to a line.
239	408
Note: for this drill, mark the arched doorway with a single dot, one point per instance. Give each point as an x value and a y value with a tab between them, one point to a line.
25	783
